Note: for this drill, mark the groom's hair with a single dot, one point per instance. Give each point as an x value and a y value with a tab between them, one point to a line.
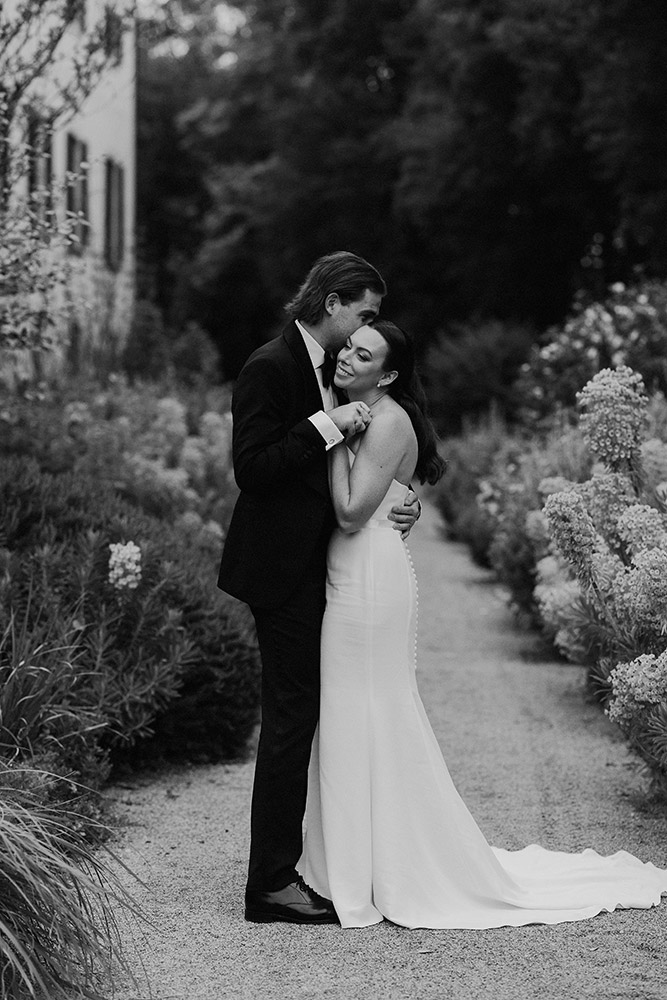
342	272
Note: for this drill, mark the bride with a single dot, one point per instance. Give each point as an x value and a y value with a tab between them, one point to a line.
387	835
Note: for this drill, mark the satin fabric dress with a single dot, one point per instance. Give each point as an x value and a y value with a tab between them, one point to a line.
387	835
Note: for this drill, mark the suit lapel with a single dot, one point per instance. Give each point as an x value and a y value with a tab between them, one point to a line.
316	475
312	394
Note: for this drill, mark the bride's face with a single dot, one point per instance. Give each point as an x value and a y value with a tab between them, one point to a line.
360	364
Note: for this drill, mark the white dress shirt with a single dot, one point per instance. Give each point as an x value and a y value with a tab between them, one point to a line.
320	420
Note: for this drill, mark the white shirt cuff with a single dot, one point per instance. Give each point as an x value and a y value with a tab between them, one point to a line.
327	428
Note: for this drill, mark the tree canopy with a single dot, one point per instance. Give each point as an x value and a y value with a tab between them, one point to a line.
491	157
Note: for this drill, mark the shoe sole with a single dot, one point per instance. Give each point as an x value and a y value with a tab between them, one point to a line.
257	917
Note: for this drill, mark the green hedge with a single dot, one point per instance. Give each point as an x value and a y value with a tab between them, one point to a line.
126	665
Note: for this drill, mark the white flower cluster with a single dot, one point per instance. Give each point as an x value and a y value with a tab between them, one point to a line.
613	410
642	527
607	495
637	685
124	565
572	531
640	592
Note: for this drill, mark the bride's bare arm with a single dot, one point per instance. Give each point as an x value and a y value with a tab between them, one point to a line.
357	492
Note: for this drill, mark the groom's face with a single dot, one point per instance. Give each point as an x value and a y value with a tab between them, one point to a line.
345	319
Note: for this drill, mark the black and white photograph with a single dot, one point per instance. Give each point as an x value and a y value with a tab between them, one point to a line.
333	500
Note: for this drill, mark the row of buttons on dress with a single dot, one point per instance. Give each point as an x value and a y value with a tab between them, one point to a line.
414	576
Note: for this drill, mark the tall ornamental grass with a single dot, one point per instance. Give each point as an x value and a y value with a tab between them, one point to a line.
40	683
58	935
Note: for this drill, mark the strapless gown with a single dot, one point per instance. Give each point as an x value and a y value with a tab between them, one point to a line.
386	833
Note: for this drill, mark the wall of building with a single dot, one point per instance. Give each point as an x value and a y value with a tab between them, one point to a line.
94	310
102	297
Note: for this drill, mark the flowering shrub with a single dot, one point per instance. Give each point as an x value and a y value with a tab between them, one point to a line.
168	455
613	410
573	518
638	704
573	531
491	498
609	542
640	528
635	685
470	459
561	607
124	565
628	328
513	494
127	610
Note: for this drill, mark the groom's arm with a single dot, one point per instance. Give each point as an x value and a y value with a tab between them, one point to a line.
265	451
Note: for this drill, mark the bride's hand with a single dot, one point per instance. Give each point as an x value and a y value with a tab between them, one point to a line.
351	418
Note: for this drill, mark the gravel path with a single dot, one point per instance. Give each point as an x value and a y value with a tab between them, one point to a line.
534	763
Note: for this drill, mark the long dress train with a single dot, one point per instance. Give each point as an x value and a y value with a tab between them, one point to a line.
387	835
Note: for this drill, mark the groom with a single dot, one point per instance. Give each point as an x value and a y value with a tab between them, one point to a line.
286	418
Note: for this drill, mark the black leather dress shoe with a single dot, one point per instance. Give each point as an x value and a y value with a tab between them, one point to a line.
297	903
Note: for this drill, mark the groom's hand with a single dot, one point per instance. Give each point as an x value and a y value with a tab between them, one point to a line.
406	516
351	418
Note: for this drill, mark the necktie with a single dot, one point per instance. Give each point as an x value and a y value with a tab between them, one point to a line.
328	369
326	390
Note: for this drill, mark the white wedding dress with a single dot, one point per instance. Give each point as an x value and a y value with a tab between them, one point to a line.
387	835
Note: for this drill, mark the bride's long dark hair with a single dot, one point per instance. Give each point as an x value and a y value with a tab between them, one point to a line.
407	390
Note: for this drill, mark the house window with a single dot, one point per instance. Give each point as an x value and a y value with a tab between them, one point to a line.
77	192
113	35
114	237
40	165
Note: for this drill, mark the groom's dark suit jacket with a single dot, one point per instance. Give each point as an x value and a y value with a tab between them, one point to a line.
284	516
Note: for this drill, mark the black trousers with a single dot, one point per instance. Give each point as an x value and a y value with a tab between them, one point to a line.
289	644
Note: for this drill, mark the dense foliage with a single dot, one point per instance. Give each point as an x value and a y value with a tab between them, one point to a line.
628	326
111	537
570	507
491	157
116	648
110	605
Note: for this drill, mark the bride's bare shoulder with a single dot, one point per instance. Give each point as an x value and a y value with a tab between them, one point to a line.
391	417
390	427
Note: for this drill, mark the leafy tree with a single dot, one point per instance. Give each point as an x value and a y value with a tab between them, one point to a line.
623	116
492	157
533	144
182	45
51	57
290	172
56	44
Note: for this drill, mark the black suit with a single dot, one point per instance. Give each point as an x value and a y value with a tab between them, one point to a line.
274	559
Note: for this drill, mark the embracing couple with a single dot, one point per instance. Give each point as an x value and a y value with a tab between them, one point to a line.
330	432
